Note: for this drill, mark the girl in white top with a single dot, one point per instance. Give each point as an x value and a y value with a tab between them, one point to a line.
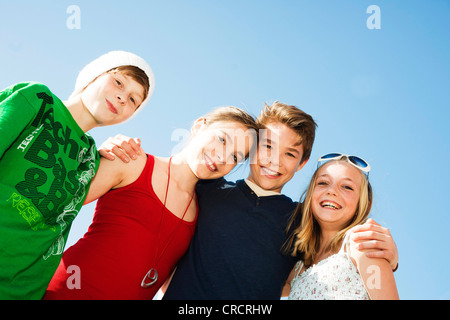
339	198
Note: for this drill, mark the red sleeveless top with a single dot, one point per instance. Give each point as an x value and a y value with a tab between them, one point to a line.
120	246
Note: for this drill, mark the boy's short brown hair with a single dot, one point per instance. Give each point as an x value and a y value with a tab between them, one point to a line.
137	74
291	116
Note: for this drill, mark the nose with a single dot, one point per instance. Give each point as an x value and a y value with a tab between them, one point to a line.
331	190
121	98
269	157
272	160
275	160
218	156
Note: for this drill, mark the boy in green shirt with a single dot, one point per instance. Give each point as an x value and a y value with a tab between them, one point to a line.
47	161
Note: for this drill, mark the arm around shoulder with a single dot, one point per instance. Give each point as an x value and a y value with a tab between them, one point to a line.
114	174
377	274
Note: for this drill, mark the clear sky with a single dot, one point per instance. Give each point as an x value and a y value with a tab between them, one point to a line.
381	93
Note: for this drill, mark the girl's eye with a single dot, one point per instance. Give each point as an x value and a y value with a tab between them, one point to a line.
118	82
132	100
348	188
268	146
290	155
235	158
321	183
222	140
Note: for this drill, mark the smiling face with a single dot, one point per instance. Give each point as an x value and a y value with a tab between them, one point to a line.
112	98
278	158
215	149
336	193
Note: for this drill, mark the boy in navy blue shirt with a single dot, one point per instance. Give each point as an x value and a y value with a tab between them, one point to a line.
236	250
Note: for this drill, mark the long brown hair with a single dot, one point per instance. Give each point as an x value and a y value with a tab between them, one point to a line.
305	238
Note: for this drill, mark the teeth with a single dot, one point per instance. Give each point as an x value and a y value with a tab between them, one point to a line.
270	172
330	205
209	163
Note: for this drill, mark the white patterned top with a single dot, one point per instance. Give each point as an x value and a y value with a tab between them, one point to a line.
334	278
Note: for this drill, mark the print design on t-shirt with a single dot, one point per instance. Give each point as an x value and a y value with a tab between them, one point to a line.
49	137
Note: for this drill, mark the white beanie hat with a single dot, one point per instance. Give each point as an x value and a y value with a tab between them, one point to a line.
111	60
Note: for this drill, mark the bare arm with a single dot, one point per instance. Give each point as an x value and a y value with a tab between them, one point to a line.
377	240
287	286
114	174
166	284
377	275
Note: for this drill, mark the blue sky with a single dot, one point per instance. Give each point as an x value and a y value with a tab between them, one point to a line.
377	93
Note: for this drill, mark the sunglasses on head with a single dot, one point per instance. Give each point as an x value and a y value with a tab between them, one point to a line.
361	164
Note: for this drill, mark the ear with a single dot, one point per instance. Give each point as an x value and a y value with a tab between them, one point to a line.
200	122
301	165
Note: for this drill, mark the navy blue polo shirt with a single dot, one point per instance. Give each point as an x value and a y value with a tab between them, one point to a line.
236	251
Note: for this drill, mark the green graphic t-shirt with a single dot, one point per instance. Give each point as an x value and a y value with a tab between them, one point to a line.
46	165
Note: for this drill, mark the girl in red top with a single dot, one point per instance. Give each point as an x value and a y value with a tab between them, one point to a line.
147	211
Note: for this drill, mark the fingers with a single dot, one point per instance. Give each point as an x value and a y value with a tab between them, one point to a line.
365	235
372	238
380	254
376	240
129	147
138	142
368	229
121	154
106	154
132	146
384	254
123	147
373	244
378	249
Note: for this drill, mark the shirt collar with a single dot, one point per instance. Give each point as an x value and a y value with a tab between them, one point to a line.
260	192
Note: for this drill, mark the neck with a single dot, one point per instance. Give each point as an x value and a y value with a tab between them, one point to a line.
327	233
182	173
80	113
250	178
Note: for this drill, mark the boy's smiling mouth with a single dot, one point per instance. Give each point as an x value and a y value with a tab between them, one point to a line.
269	173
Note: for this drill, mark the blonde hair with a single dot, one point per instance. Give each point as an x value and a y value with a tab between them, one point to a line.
233	114
305	238
301	122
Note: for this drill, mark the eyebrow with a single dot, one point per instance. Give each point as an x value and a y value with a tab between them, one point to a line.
266	140
327	175
291	149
